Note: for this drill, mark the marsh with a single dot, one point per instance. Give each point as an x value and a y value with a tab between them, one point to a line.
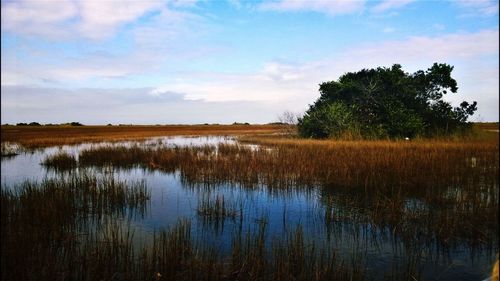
219	208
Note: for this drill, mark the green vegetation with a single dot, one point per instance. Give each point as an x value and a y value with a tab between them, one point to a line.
387	103
48	124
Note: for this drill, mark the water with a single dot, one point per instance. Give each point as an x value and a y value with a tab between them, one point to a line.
382	252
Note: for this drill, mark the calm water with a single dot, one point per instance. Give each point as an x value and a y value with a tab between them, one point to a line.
171	199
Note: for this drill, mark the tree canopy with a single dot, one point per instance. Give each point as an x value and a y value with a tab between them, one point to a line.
386	103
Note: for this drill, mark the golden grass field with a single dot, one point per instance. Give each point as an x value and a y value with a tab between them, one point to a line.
43	136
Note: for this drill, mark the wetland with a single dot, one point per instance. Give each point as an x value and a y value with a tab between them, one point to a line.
233	207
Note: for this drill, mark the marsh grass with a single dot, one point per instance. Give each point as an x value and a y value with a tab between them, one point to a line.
121	156
295	259
425	197
54	230
216	208
44	223
456	184
44	136
389	167
61	161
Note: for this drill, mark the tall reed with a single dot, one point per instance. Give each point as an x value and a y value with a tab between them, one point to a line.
390	167
43	223
61	161
427	196
56	242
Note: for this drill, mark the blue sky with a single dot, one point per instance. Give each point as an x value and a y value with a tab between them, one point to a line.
159	62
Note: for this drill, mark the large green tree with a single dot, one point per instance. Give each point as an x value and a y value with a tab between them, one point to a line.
387	102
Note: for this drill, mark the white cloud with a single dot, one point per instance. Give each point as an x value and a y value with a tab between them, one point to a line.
280	72
386	5
472	8
331	7
296	85
169	35
100	19
89	19
277	85
102	106
451	46
90	65
40	18
38	12
184	3
167	27
12	78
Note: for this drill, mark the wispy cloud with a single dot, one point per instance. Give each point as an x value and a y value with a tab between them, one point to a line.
166	36
39	18
278	82
445	47
101	19
330	7
473	8
387	5
102	106
178	55
71	18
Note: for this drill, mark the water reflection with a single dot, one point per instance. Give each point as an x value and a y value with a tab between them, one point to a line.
339	218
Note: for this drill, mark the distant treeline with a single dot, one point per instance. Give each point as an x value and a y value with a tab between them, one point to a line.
109	124
48	124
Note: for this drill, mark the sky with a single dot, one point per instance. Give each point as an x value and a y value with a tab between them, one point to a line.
202	61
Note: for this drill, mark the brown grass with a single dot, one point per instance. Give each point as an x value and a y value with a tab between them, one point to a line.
379	165
43	136
487	125
457	182
72	229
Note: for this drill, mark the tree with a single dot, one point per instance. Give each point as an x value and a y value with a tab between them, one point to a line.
289	120
386	103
